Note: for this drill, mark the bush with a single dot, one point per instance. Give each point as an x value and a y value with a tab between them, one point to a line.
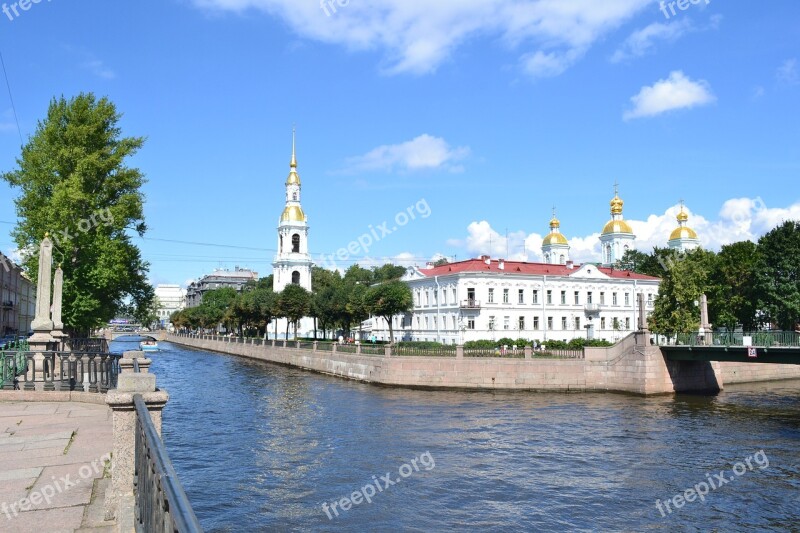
480	345
425	345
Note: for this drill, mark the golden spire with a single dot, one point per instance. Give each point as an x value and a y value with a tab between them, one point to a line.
554	222
682	216
294	177
616	202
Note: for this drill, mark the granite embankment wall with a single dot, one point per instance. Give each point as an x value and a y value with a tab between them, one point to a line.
631	366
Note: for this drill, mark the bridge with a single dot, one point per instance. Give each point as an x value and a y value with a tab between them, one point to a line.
112	335
776	347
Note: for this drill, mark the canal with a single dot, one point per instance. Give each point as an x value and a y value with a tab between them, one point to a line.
261	447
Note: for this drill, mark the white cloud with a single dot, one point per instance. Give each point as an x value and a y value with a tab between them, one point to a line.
99	69
787	72
422	153
643	41
675	92
739	219
417	36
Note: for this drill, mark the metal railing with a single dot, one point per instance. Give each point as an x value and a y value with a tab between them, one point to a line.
98	345
161	503
60	371
440	351
767	339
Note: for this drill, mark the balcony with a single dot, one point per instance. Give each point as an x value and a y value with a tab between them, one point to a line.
470	304
592	309
8	304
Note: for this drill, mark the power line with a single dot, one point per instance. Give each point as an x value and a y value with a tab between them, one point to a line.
13	107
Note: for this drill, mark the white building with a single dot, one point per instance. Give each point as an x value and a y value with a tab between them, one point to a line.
491	298
171	298
555	247
292	264
683	238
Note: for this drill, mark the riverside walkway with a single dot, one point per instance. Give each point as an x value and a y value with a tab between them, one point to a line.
54	466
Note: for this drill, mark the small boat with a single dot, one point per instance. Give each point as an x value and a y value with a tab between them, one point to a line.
148	346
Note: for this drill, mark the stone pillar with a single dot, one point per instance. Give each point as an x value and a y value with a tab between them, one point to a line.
119	500
642	312
58	325
460	351
387	351
42	324
709	336
528	352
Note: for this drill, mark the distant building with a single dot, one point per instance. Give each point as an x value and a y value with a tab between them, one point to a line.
617	237
683	238
235	279
17	299
171	298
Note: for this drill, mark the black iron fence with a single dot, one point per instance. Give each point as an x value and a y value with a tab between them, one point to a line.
59	371
161	503
97	345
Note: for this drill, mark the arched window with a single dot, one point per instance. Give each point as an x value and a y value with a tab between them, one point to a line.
295	244
295	278
608	253
562	259
294	196
281	246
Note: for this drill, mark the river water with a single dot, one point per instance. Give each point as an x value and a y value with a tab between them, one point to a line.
261	447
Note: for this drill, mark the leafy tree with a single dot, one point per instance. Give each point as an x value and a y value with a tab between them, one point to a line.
215	305
441	262
357	274
683	284
388	272
356	306
778	275
323	283
732	297
294	303
389	299
75	185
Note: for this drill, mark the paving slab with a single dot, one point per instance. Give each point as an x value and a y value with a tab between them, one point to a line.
51	468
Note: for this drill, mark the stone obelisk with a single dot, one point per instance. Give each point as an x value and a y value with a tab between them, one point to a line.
42	324
58	289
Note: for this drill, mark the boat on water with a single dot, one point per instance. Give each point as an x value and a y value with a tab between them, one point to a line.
148	346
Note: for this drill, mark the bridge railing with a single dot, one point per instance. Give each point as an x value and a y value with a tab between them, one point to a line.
95	344
766	339
59	371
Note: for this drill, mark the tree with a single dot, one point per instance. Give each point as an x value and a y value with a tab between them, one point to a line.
215	305
75	185
732	297
389	299
388	272
778	275
323	281
685	281
294	303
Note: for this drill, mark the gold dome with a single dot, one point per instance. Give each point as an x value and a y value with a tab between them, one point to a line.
683	233
682	216
555	238
293	213
617	226
616	205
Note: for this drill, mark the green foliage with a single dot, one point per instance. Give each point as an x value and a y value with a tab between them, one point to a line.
389	299
425	345
686	279
294	303
75	185
778	275
732	297
480	345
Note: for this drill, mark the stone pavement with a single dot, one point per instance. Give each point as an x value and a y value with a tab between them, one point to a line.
54	467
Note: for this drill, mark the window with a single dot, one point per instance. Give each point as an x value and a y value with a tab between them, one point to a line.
295	243
427	298
563	322
505	296
589	297
470	323
614	298
549	297
491	296
603	323
521	296
549	322
434	322
491	322
627	323
295	278
577	322
435	296
650	299
455	297
563	297
426	322
470	296
521	325
536	323
536	297
506	322
602	298
577	298
627	299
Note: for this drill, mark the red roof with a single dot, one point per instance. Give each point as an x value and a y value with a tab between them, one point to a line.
519	267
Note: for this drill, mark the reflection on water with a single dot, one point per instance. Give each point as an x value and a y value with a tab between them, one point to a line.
262	447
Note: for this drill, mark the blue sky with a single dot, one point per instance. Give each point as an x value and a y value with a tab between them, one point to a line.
481	115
